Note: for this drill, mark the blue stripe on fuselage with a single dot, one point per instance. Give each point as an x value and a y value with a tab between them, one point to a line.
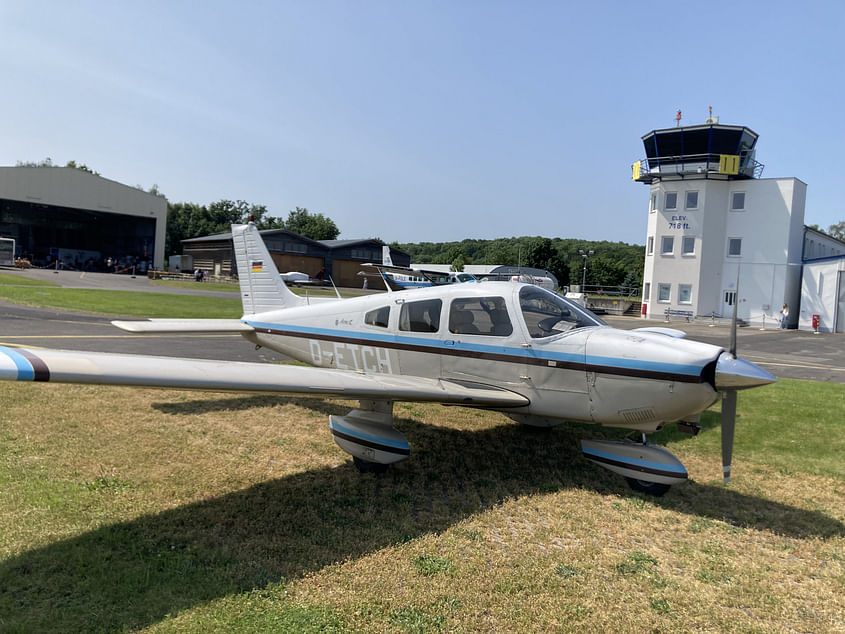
24	367
438	346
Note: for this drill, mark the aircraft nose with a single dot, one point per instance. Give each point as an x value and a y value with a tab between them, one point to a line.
735	373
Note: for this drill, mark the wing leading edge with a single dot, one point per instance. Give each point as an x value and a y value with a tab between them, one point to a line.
66	366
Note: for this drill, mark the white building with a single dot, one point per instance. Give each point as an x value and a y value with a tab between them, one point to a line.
823	283
712	222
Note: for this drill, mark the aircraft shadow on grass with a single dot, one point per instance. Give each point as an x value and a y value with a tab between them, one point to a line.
135	573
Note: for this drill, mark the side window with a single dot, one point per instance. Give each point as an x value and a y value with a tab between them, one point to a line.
480	316
378	317
421	316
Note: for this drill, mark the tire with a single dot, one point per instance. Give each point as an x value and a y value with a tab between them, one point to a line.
649	488
365	466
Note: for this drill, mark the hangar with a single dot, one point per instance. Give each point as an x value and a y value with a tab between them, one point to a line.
79	218
339	260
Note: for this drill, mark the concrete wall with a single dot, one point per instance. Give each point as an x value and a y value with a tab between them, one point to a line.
770	227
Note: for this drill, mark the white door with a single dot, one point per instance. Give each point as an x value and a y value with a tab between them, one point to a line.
728	301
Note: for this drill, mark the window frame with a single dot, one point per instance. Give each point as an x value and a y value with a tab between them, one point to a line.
374	312
646	291
663	250
684	241
688	288
666	198
738	209
687	206
661	286
731	241
650	246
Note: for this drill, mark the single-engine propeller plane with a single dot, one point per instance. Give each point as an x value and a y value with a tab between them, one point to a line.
511	347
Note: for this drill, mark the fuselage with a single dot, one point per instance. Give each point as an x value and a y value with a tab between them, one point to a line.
566	361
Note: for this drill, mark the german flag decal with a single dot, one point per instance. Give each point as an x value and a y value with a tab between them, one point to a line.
257	266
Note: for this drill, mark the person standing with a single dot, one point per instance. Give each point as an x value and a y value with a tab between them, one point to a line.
784	314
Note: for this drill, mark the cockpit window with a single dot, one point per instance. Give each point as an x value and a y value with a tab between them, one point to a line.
480	316
421	316
547	314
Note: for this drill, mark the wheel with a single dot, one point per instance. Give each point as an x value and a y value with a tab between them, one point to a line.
365	466
651	488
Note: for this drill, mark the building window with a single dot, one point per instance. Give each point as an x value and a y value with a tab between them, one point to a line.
654	202
692	200
646	291
688	245
738	201
735	246
664	293
650	248
685	294
671	201
667	245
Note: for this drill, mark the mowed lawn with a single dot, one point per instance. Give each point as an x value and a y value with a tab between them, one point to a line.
167	511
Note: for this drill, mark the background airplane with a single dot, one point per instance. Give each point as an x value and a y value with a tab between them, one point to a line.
511	347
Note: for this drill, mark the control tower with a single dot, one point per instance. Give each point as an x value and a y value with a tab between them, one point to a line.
712	220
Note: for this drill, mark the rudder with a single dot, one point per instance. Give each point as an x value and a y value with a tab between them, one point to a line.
262	288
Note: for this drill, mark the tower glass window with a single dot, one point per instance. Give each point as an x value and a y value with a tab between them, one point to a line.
738	201
688	245
685	294
667	245
664	292
650	248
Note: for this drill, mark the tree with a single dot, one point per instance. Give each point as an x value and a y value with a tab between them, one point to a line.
315	226
837	230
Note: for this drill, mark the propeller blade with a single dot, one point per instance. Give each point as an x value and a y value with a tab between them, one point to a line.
732	349
728	426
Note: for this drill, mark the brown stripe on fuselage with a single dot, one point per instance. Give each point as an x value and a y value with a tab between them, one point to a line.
492	356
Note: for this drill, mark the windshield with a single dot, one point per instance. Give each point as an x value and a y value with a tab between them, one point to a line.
547	314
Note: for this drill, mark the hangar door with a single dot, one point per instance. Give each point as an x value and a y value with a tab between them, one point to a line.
840	305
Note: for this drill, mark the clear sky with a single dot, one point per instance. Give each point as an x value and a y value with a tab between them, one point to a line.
421	120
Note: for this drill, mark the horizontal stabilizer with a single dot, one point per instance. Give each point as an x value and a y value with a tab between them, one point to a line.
183	325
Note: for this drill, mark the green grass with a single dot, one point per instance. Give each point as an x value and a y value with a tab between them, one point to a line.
229	287
166	511
10	279
123	303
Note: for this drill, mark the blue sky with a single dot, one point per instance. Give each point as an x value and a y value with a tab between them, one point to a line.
415	121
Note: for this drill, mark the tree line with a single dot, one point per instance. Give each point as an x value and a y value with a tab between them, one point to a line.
190	220
612	263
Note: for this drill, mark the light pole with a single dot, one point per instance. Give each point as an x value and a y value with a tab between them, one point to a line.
585	255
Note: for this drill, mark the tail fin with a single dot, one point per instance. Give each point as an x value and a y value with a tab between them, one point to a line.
385	256
262	289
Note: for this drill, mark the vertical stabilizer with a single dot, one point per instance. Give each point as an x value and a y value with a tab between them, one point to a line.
385	256
262	288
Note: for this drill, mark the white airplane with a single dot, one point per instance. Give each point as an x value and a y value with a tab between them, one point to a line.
401	277
510	347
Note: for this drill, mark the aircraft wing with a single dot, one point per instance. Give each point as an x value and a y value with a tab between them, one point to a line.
183	325
66	366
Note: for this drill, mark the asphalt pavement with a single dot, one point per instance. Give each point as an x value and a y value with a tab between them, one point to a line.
784	353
